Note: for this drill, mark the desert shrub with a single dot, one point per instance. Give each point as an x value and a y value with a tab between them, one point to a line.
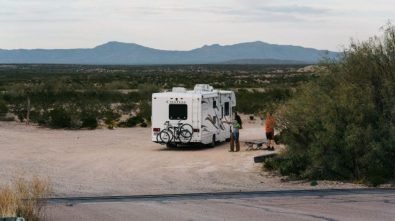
116	85
21	117
89	115
127	107
60	118
145	110
89	121
269	165
145	90
35	116
278	138
43	118
110	117
25	198
341	126
3	108
139	119
7	118
132	121
265	101
19	110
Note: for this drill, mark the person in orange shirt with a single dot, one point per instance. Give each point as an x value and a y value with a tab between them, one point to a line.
270	122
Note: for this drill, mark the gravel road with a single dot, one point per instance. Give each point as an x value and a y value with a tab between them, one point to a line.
329	205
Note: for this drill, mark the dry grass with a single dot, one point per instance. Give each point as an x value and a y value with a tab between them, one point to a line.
24	198
8	202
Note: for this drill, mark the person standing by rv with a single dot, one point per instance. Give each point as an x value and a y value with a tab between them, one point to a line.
270	122
238	119
237	125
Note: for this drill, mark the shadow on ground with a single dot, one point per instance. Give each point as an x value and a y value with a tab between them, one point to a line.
196	147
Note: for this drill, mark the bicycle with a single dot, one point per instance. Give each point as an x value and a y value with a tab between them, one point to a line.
171	134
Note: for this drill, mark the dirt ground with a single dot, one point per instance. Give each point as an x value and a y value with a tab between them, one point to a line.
125	161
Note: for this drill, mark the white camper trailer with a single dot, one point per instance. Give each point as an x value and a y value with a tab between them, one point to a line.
203	115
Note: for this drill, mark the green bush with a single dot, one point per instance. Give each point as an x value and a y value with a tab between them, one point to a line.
3	108
278	138
110	117
342	125
132	121
7	118
313	183
264	101
89	122
145	110
269	165
42	117
60	118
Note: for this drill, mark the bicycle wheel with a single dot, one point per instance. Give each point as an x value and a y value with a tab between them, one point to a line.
163	137
171	135
187	127
158	140
185	136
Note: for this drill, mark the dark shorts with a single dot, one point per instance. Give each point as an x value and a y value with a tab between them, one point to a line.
270	135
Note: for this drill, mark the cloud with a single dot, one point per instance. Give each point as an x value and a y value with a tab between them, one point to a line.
42	20
296	9
222	13
175	11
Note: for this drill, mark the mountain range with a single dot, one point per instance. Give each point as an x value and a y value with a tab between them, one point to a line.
134	54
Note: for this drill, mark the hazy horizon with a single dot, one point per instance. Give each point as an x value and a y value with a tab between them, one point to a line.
175	25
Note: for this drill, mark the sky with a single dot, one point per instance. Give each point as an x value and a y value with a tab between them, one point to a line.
188	24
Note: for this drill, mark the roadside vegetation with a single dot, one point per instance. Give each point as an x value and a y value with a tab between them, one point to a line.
341	126
25	198
75	96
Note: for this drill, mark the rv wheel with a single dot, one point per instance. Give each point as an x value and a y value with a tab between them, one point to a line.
213	142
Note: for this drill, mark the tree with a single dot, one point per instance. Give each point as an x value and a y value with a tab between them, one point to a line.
341	126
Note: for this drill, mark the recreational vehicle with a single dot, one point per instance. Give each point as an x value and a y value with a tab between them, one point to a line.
202	115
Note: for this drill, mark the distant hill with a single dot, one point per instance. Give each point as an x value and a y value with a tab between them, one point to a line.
264	61
134	54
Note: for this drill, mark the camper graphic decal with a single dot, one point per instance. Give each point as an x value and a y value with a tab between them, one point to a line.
204	128
214	120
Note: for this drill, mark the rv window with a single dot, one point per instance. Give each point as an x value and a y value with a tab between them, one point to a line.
227	110
178	111
214	104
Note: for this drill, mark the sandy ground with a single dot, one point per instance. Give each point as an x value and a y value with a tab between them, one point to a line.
125	161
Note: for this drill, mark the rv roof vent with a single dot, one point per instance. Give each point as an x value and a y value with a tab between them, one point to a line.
179	89
203	87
